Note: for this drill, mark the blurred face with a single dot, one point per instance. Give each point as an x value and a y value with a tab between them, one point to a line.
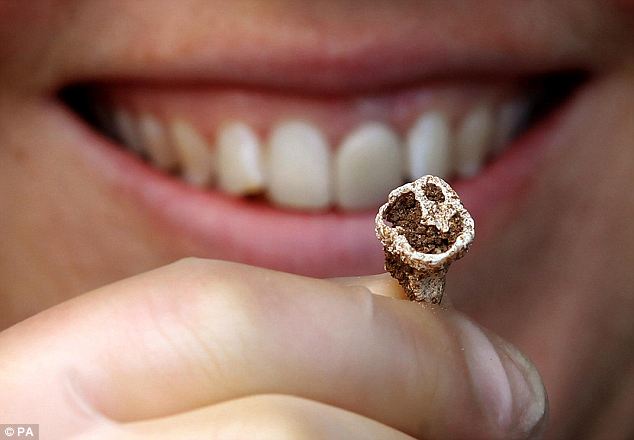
134	133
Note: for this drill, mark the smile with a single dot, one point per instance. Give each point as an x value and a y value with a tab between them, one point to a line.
290	177
312	153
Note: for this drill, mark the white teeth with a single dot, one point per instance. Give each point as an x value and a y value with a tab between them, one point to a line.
367	166
196	157
473	138
428	147
509	119
125	126
239	159
155	142
296	167
299	166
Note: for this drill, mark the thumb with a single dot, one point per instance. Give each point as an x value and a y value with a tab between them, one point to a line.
504	384
382	284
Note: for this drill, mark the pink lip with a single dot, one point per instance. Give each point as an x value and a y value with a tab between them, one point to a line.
328	57
328	244
376	56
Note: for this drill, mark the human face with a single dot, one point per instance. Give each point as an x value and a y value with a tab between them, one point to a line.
385	91
80	209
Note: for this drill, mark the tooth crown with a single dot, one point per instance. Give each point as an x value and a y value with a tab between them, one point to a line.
433	213
294	163
429	230
240	169
428	146
299	166
367	164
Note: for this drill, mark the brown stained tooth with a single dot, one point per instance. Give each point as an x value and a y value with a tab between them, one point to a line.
423	228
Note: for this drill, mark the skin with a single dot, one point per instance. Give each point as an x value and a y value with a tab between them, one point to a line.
249	352
555	280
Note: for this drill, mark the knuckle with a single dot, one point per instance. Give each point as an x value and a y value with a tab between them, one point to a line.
199	279
195	306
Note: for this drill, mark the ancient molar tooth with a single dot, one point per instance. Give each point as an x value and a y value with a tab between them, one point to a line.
423	228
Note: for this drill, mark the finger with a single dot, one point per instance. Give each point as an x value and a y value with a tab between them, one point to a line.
257	417
381	284
200	332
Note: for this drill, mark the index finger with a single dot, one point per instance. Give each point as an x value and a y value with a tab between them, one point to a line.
199	332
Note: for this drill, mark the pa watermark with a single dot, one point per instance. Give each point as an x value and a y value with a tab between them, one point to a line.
19	431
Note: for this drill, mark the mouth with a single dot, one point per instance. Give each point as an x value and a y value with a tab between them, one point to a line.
292	180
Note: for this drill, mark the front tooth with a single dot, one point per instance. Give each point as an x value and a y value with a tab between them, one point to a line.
474	136
299	166
155	142
239	159
127	130
367	166
195	154
510	118
428	147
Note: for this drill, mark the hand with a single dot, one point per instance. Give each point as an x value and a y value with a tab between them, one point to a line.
209	349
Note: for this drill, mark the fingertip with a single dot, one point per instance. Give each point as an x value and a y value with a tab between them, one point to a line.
506	385
384	285
530	401
381	284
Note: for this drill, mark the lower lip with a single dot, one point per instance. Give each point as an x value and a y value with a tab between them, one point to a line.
321	245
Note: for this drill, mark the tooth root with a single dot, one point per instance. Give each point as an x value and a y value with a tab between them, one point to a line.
155	142
299	166
509	120
367	166
428	147
127	130
240	168
196	156
473	138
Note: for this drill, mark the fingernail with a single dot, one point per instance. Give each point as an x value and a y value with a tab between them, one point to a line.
530	402
381	284
506	385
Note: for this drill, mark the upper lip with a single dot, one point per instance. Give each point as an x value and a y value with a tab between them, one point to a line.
364	68
361	61
325	60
